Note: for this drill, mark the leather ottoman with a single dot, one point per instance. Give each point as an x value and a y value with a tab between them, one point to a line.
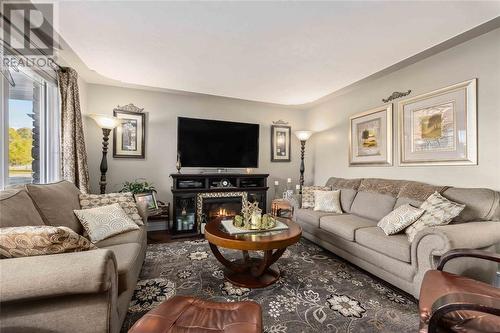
192	315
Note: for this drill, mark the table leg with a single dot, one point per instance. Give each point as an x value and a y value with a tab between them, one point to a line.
250	272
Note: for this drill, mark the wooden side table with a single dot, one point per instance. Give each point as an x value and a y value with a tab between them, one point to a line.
282	208
162	214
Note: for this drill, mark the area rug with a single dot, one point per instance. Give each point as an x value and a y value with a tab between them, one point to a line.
317	292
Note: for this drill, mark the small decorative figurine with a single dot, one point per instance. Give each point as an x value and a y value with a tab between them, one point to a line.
251	218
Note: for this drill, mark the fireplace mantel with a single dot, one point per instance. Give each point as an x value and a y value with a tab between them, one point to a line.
189	190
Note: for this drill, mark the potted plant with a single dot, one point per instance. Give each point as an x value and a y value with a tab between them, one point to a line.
143	191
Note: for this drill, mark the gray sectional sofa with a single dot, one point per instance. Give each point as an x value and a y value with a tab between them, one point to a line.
355	236
71	292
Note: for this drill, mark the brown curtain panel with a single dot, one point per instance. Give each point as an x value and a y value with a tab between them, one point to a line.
73	154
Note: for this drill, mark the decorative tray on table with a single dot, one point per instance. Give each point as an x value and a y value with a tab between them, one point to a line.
232	230
251	221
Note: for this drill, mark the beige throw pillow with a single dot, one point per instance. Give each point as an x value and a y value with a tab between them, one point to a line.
327	201
126	201
308	194
399	219
16	242
438	211
106	221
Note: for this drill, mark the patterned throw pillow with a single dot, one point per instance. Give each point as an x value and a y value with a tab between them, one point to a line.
327	201
106	221
438	211
308	194
16	242
399	219
126	201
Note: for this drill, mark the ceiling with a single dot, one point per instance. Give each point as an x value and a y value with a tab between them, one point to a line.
279	52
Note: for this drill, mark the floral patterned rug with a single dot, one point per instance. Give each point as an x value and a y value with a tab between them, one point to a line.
317	291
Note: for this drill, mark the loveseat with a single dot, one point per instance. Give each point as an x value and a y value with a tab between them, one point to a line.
79	292
354	235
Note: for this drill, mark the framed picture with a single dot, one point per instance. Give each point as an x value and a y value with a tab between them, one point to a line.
129	136
439	128
280	143
370	137
148	198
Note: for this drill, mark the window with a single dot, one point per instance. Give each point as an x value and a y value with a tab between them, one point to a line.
30	131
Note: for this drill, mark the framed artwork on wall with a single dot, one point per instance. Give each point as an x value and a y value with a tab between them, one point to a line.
280	143
129	137
439	127
370	137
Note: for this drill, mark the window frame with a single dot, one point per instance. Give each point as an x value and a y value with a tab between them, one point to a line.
49	126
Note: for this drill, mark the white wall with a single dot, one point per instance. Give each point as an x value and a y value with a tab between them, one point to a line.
477	58
161	143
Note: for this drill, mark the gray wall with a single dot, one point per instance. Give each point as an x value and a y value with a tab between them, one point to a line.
162	109
477	58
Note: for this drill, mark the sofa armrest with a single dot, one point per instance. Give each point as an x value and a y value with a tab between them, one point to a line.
431	243
470	235
55	275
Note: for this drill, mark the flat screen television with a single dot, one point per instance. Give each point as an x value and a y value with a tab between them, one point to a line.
207	143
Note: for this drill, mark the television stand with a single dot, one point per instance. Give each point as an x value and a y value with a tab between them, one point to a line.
197	198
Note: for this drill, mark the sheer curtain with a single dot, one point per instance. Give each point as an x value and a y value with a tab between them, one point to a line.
73	154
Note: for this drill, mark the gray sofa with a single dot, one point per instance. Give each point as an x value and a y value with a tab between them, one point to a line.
355	236
72	292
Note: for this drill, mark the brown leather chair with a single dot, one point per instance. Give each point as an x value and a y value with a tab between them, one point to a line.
192	315
453	303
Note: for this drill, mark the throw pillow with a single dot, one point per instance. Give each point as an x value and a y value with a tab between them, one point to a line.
106	221
16	242
308	194
399	219
126	201
438	211
327	201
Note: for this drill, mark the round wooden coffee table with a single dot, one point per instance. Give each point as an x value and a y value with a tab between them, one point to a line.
252	272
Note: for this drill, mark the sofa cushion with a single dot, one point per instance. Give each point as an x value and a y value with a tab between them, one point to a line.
389	187
26	241
399	219
480	203
438	211
127	260
17	209
419	191
134	236
327	201
310	216
126	201
394	246
346	199
348	189
308	195
344	225
373	206
105	221
56	203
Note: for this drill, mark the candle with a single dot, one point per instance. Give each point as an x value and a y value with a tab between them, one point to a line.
289	180
256	220
297	187
276	183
